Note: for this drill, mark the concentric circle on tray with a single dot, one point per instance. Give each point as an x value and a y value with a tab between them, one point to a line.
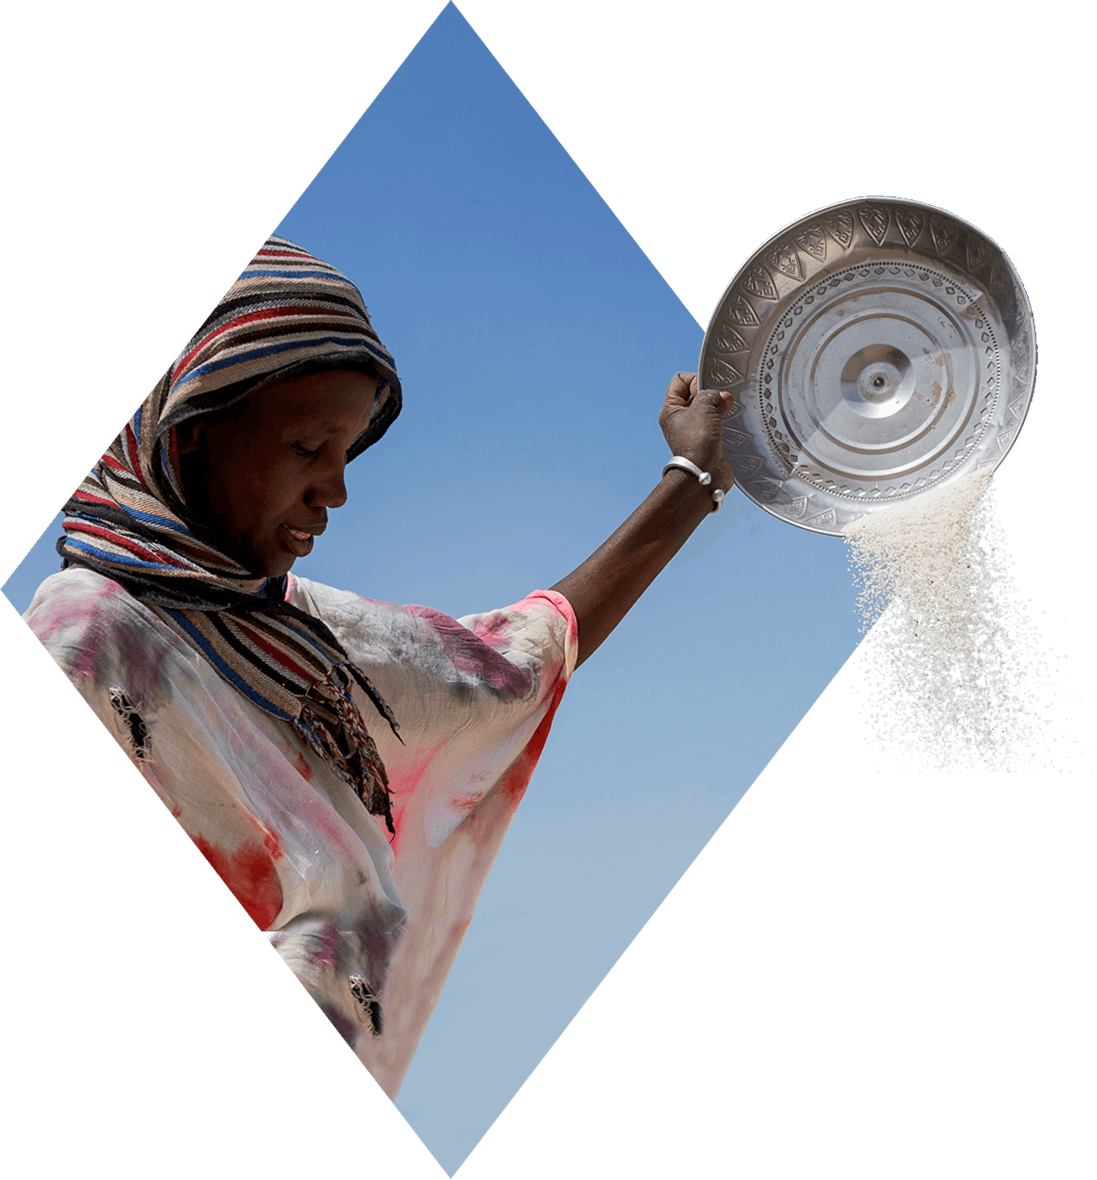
875	349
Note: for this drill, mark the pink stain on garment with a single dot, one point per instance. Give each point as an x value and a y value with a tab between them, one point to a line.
76	611
475	651
90	615
403	780
325	950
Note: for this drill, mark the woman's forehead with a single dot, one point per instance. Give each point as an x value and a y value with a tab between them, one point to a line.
330	401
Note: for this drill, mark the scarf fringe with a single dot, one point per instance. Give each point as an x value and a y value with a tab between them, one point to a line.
333	726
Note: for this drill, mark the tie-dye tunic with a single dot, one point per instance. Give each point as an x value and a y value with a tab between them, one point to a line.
369	923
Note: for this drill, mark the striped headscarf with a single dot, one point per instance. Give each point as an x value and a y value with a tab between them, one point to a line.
288	315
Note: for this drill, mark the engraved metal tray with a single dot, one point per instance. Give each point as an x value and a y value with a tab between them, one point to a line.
875	349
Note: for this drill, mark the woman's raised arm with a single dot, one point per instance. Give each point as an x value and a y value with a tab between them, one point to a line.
607	585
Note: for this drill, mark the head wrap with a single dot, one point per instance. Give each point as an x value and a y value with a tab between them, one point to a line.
288	315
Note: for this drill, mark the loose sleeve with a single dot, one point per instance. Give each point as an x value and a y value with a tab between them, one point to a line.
474	699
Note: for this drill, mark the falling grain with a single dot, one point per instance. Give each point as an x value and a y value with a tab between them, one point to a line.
956	656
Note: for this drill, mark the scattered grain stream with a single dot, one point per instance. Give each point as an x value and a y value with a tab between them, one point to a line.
957	660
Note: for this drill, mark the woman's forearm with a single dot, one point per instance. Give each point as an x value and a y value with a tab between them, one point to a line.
608	584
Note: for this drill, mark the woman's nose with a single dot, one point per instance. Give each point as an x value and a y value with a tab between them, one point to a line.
331	490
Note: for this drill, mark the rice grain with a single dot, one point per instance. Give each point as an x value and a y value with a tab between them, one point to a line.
958	661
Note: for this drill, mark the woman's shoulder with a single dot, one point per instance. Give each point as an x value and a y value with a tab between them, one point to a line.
332	604
347	613
78	610
77	597
484	647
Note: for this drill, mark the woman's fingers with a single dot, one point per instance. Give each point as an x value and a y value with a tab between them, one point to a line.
681	389
725	402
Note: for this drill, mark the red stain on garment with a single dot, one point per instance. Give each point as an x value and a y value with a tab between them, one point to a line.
466	801
270	840
249	872
513	784
303	768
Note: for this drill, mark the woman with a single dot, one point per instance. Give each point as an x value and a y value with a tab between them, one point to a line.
348	767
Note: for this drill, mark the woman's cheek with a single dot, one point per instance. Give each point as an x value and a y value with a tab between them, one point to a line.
265	492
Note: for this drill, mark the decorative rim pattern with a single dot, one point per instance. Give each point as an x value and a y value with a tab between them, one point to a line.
875	349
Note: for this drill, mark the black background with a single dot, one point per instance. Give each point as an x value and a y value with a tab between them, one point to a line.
855	964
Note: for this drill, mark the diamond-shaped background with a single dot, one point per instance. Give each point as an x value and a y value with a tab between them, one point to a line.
534	341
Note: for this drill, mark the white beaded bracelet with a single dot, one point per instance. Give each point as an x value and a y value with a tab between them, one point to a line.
703	478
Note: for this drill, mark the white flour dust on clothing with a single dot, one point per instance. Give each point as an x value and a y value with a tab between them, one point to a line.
956	659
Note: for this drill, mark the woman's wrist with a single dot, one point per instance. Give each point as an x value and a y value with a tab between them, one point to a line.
703	481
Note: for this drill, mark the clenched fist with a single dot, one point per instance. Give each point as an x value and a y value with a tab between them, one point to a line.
692	424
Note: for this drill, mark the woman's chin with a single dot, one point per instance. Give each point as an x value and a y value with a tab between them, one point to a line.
275	567
265	564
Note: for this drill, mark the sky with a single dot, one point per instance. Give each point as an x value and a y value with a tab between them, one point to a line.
499	266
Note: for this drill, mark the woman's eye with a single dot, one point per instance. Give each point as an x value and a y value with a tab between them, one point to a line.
305	451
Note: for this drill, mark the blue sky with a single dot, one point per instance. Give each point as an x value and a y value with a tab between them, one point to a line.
534	341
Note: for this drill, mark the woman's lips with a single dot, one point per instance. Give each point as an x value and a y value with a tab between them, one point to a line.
300	541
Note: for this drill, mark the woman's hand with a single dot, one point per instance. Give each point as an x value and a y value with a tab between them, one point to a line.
606	586
692	424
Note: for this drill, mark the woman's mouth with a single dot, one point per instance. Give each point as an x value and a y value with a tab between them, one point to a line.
298	541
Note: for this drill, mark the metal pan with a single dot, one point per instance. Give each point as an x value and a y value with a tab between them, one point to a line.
875	349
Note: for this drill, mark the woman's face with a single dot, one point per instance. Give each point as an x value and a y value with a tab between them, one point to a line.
263	478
